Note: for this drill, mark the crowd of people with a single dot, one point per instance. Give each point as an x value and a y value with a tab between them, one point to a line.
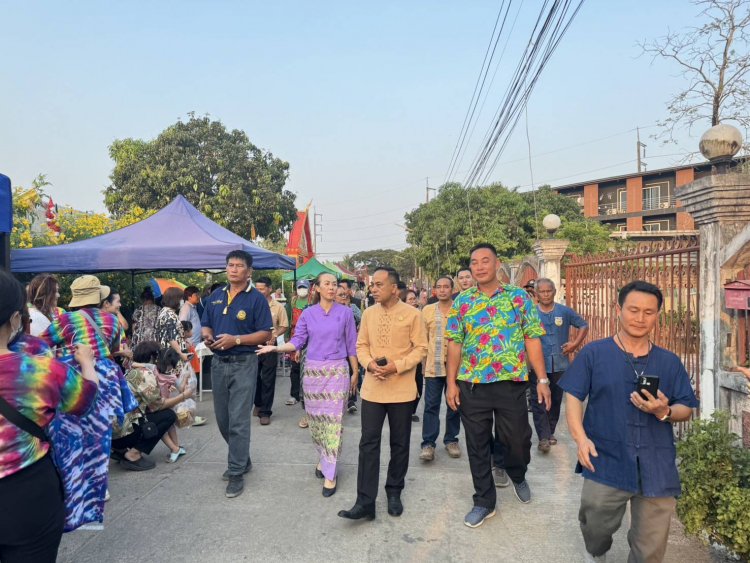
74	390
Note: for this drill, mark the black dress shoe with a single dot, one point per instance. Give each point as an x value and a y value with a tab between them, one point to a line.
319	473
329	492
395	507
358	512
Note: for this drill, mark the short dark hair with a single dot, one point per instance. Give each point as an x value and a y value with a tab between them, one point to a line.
171	298
110	298
12	297
187	326
643	287
345	282
146	352
147	294
215	286
392	274
241	255
467	269
265	280
445	277
482	245
190	291
401	285
167	360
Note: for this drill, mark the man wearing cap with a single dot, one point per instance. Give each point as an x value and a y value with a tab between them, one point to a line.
294	307
235	321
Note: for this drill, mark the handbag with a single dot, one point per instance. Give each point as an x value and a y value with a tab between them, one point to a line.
149	429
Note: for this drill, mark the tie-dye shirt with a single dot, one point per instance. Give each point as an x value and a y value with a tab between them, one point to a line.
73	328
36	386
491	331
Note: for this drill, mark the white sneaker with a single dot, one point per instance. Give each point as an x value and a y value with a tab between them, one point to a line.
106	496
588	558
291	401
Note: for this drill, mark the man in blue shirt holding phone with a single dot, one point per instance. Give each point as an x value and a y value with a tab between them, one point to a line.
625	441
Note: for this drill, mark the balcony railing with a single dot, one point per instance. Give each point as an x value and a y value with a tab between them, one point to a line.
665	202
612	208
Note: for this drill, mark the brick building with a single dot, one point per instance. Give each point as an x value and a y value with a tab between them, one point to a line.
639	205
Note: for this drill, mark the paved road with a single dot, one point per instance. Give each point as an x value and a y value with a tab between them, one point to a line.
179	513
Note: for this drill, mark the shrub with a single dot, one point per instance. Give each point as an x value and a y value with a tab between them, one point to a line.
715	474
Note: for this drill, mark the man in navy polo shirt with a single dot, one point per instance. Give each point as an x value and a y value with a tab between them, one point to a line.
556	345
235	321
626	448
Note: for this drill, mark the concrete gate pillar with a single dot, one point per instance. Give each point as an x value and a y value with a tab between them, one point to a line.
720	207
550	253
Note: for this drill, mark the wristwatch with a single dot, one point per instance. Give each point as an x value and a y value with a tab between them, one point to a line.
665	418
543	381
237	341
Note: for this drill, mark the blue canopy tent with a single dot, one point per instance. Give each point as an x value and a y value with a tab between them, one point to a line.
177	238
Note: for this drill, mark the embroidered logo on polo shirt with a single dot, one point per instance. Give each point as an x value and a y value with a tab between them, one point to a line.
558	321
241	315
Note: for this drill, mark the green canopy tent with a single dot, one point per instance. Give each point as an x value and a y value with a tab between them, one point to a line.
310	271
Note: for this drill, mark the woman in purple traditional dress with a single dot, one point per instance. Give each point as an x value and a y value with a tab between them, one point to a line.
328	331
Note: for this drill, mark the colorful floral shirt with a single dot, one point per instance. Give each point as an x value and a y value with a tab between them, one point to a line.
74	328
491	331
36	386
169	328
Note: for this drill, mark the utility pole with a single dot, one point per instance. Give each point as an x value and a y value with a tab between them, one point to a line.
640	148
316	227
427	190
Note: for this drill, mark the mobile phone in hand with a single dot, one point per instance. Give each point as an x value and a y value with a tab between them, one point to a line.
382	362
648	383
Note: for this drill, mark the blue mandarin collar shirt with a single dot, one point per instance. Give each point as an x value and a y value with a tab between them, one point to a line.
247	313
636	451
557	325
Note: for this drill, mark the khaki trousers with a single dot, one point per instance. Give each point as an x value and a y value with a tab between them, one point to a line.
601	512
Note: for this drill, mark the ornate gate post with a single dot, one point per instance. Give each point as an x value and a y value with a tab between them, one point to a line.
720	207
550	252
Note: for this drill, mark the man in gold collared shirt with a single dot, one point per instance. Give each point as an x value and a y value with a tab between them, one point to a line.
435	317
267	363
391	344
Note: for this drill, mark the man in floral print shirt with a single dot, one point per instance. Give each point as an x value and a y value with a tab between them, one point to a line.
493	330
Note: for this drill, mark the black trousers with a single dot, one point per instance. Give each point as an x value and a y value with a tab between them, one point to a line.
545	422
295	376
32	514
368	472
506	402
266	387
419	377
163	419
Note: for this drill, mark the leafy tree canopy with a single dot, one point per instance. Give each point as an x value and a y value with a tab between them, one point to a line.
221	172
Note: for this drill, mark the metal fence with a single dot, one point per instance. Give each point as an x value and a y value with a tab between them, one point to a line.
592	284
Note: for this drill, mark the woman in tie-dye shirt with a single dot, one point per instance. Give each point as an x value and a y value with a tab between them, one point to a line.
31	501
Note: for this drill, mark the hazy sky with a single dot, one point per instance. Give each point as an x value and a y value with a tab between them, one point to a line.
364	100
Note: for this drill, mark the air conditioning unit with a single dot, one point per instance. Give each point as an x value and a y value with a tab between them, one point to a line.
665	205
611	211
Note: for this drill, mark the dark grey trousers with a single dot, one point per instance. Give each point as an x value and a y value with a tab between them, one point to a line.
234	391
602	509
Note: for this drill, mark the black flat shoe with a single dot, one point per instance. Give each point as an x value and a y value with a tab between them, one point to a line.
329	492
395	507
358	512
319	474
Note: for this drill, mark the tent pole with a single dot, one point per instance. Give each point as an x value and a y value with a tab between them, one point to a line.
132	287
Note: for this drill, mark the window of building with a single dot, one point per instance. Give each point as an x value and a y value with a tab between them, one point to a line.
621	227
622	200
656	196
662	225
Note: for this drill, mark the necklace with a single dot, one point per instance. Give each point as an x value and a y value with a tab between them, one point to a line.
628	357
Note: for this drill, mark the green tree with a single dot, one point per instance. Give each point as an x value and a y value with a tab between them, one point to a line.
587	237
221	172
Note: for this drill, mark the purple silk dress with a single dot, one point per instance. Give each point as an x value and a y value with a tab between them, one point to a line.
329	338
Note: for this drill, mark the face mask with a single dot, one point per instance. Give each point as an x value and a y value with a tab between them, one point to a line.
15	333
302	292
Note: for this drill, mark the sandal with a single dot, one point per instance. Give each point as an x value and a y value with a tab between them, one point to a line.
174	456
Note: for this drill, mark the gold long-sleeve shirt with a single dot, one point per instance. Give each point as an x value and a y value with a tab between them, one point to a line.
398	335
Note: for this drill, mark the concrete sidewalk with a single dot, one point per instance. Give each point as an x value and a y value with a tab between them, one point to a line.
178	512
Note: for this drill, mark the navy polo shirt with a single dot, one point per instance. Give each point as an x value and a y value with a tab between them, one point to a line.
557	325
247	313
636	451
